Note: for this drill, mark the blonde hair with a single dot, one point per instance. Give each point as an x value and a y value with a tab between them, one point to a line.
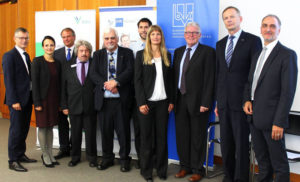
148	56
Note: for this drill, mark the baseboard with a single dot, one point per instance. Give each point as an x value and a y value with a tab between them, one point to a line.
293	176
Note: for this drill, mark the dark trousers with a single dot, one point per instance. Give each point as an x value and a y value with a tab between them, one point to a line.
89	124
191	131
113	117
136	126
18	131
63	133
271	156
234	131
155	122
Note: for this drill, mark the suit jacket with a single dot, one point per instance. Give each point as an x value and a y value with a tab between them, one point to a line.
76	97
144	79
230	82
40	75
124	75
16	79
60	55
199	77
275	88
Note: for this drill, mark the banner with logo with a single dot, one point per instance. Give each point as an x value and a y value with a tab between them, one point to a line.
124	19
172	16
83	22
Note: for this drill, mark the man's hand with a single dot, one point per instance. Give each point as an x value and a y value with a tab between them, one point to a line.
216	112
110	85
38	108
65	111
203	109
16	106
144	109
248	108
277	132
171	107
114	90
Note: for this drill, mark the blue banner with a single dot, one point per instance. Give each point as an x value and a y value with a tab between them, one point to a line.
172	16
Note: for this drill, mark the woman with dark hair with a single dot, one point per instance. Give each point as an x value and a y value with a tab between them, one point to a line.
153	88
45	75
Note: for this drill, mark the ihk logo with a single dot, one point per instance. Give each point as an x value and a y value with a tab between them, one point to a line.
119	22
183	13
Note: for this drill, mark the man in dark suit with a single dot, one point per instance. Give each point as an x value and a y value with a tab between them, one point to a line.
77	101
16	68
268	98
194	68
234	53
112	72
64	55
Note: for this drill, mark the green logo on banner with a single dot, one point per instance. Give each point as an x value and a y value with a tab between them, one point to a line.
39	51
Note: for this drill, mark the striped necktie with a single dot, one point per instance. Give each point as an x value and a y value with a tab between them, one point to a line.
229	51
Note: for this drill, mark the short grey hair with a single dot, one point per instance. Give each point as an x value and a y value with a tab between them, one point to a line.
193	24
20	29
83	43
110	29
273	16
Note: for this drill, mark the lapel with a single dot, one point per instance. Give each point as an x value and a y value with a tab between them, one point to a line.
223	49
74	74
194	57
119	61
240	42
268	62
20	59
180	55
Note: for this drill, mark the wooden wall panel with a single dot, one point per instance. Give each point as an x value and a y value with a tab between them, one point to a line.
132	2
58	5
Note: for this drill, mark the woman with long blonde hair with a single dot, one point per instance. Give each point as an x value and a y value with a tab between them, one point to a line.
153	88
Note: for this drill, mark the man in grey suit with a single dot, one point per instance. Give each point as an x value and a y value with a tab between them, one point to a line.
268	98
64	55
77	101
234	53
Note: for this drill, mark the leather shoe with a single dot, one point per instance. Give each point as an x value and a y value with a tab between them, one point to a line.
47	165
181	174
195	178
149	180
55	163
125	167
73	163
62	154
93	164
17	167
105	165
163	177
25	159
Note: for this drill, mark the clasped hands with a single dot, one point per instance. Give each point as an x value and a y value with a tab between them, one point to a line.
111	86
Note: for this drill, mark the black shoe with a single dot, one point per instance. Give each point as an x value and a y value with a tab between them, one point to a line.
105	165
47	165
163	177
137	164
55	163
73	163
149	179
93	164
125	167
25	159
62	154
17	167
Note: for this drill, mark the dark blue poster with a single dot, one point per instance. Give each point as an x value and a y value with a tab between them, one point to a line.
172	16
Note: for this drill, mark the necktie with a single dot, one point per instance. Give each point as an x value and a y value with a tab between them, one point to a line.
82	72
229	51
69	54
112	66
258	71
184	68
27	62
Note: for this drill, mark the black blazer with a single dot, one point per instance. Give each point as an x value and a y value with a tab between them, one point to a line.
199	78
144	79
230	82
76	97
16	79
40	75
124	74
60	55
275	88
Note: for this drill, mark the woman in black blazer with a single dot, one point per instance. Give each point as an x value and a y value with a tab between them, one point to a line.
153	83
45	76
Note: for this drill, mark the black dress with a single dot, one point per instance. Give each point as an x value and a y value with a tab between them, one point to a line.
49	115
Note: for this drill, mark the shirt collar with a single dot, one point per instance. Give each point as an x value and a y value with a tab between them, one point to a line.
78	61
236	35
271	45
115	51
21	51
193	47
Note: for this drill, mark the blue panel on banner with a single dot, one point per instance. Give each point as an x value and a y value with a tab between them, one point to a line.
125	9
119	22
172	16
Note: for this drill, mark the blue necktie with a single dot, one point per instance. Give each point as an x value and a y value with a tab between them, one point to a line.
229	51
69	54
112	67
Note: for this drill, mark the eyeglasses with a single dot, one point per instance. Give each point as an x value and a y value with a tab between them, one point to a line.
192	33
23	38
111	38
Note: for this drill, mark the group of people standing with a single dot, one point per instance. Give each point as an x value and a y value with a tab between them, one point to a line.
117	84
